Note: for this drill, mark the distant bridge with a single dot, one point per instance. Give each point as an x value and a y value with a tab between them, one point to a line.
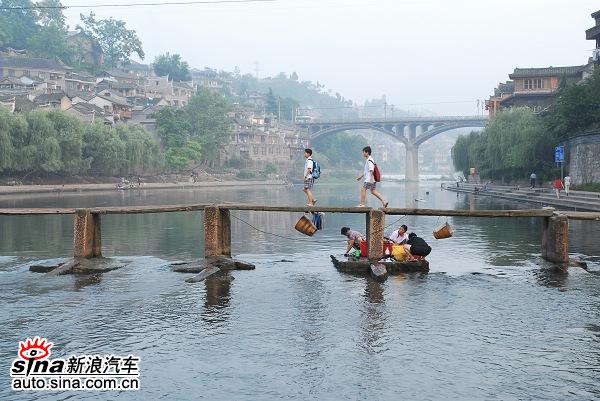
411	131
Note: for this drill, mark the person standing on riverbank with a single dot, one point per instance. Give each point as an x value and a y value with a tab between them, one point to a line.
557	185
369	179
567	184
309	181
532	179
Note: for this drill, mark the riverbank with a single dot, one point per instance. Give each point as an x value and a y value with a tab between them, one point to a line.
74	188
577	200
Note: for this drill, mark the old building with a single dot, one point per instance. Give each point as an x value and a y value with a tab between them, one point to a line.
79	81
174	93
51	71
534	88
258	140
594	34
90	113
56	100
112	104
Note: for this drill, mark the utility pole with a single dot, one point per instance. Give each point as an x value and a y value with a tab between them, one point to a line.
278	109
385	110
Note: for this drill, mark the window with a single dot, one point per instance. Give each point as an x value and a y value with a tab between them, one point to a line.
26	73
264	151
270	151
255	149
156	83
537	83
11	73
1	72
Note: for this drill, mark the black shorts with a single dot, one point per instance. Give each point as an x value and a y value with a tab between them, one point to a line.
420	250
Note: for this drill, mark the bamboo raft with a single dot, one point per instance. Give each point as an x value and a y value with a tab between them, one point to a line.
363	265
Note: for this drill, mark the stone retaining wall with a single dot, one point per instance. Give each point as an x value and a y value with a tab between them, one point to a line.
584	158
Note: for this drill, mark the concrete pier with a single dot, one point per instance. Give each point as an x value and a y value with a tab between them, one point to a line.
555	239
375	231
87	234
217	232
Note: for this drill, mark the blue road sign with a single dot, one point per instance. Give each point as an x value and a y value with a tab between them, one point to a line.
559	154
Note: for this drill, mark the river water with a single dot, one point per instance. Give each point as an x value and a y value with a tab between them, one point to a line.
491	320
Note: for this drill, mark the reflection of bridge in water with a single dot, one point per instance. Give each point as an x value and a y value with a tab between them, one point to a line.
411	131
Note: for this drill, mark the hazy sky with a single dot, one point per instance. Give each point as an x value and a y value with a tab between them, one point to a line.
440	55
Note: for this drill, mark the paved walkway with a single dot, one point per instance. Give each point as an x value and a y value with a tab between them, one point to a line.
34	189
577	200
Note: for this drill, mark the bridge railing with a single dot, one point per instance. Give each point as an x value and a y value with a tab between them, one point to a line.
397	120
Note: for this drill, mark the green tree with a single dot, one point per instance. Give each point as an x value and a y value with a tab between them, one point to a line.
209	124
341	149
117	42
173	66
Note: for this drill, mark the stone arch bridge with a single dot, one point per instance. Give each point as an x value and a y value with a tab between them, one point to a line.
411	131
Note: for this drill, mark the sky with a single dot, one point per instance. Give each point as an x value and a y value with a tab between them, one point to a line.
435	55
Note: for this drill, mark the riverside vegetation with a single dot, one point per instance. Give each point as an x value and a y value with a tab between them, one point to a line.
518	141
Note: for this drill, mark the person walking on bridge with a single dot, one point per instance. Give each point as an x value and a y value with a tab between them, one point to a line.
369	180
308	177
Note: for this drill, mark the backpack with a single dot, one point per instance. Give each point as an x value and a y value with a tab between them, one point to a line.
376	172
316	171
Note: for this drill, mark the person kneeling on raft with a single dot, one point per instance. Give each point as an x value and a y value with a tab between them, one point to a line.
417	247
354	239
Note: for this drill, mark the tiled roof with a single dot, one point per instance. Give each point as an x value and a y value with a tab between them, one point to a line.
32	63
181	84
80	76
547	72
49	98
87	108
113	98
82	95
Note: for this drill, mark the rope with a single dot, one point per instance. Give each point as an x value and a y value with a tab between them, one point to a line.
264	232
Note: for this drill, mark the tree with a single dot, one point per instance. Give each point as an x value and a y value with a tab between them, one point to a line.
173	66
117	42
338	147
195	133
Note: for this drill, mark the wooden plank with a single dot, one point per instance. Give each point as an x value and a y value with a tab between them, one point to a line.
148	209
35	211
209	271
471	213
581	215
63	269
265	208
378	272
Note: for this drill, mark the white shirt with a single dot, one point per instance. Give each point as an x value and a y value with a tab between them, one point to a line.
369	166
308	165
567	181
397	238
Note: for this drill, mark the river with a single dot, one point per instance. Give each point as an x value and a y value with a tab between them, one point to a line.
491	320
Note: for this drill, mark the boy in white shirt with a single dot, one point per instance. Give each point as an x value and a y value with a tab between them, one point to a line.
369	178
308	178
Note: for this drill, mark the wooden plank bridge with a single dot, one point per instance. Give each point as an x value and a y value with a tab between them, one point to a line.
87	233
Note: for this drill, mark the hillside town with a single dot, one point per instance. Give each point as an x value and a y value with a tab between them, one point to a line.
133	92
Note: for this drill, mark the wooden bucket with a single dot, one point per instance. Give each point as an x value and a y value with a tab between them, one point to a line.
445	231
305	226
